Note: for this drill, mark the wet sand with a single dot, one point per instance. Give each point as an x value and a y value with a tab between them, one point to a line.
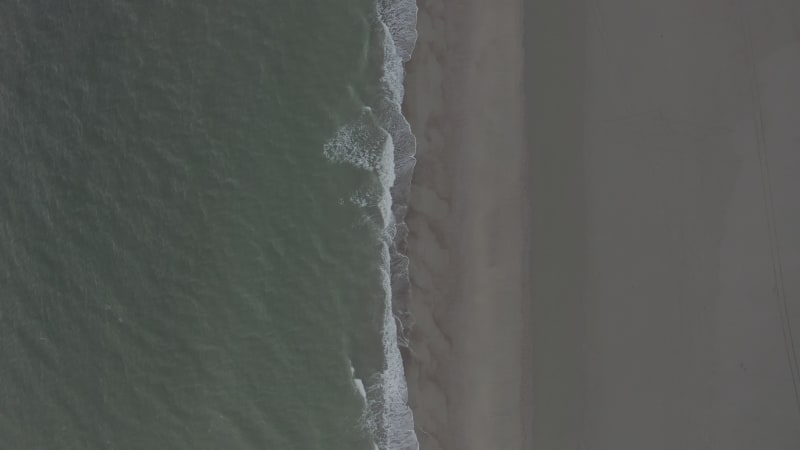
468	227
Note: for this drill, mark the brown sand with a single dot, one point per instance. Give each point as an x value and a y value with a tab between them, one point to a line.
468	226
661	175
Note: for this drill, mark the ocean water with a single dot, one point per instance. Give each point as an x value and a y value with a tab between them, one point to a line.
201	204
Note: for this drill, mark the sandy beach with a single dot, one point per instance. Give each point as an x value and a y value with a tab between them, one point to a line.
468	222
603	225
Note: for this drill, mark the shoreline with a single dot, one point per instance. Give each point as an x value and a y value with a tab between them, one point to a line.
467	224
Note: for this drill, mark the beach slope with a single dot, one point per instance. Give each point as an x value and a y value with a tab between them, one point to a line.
603	225
468	226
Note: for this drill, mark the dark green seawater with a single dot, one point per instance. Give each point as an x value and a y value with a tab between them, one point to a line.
193	225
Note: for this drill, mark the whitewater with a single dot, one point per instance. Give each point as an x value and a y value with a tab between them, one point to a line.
380	140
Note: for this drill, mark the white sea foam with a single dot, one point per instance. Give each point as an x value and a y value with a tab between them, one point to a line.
359	385
355	143
380	141
360	388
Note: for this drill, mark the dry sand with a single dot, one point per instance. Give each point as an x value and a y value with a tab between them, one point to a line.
659	158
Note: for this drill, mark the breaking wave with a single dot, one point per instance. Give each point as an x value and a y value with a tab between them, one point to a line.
379	140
